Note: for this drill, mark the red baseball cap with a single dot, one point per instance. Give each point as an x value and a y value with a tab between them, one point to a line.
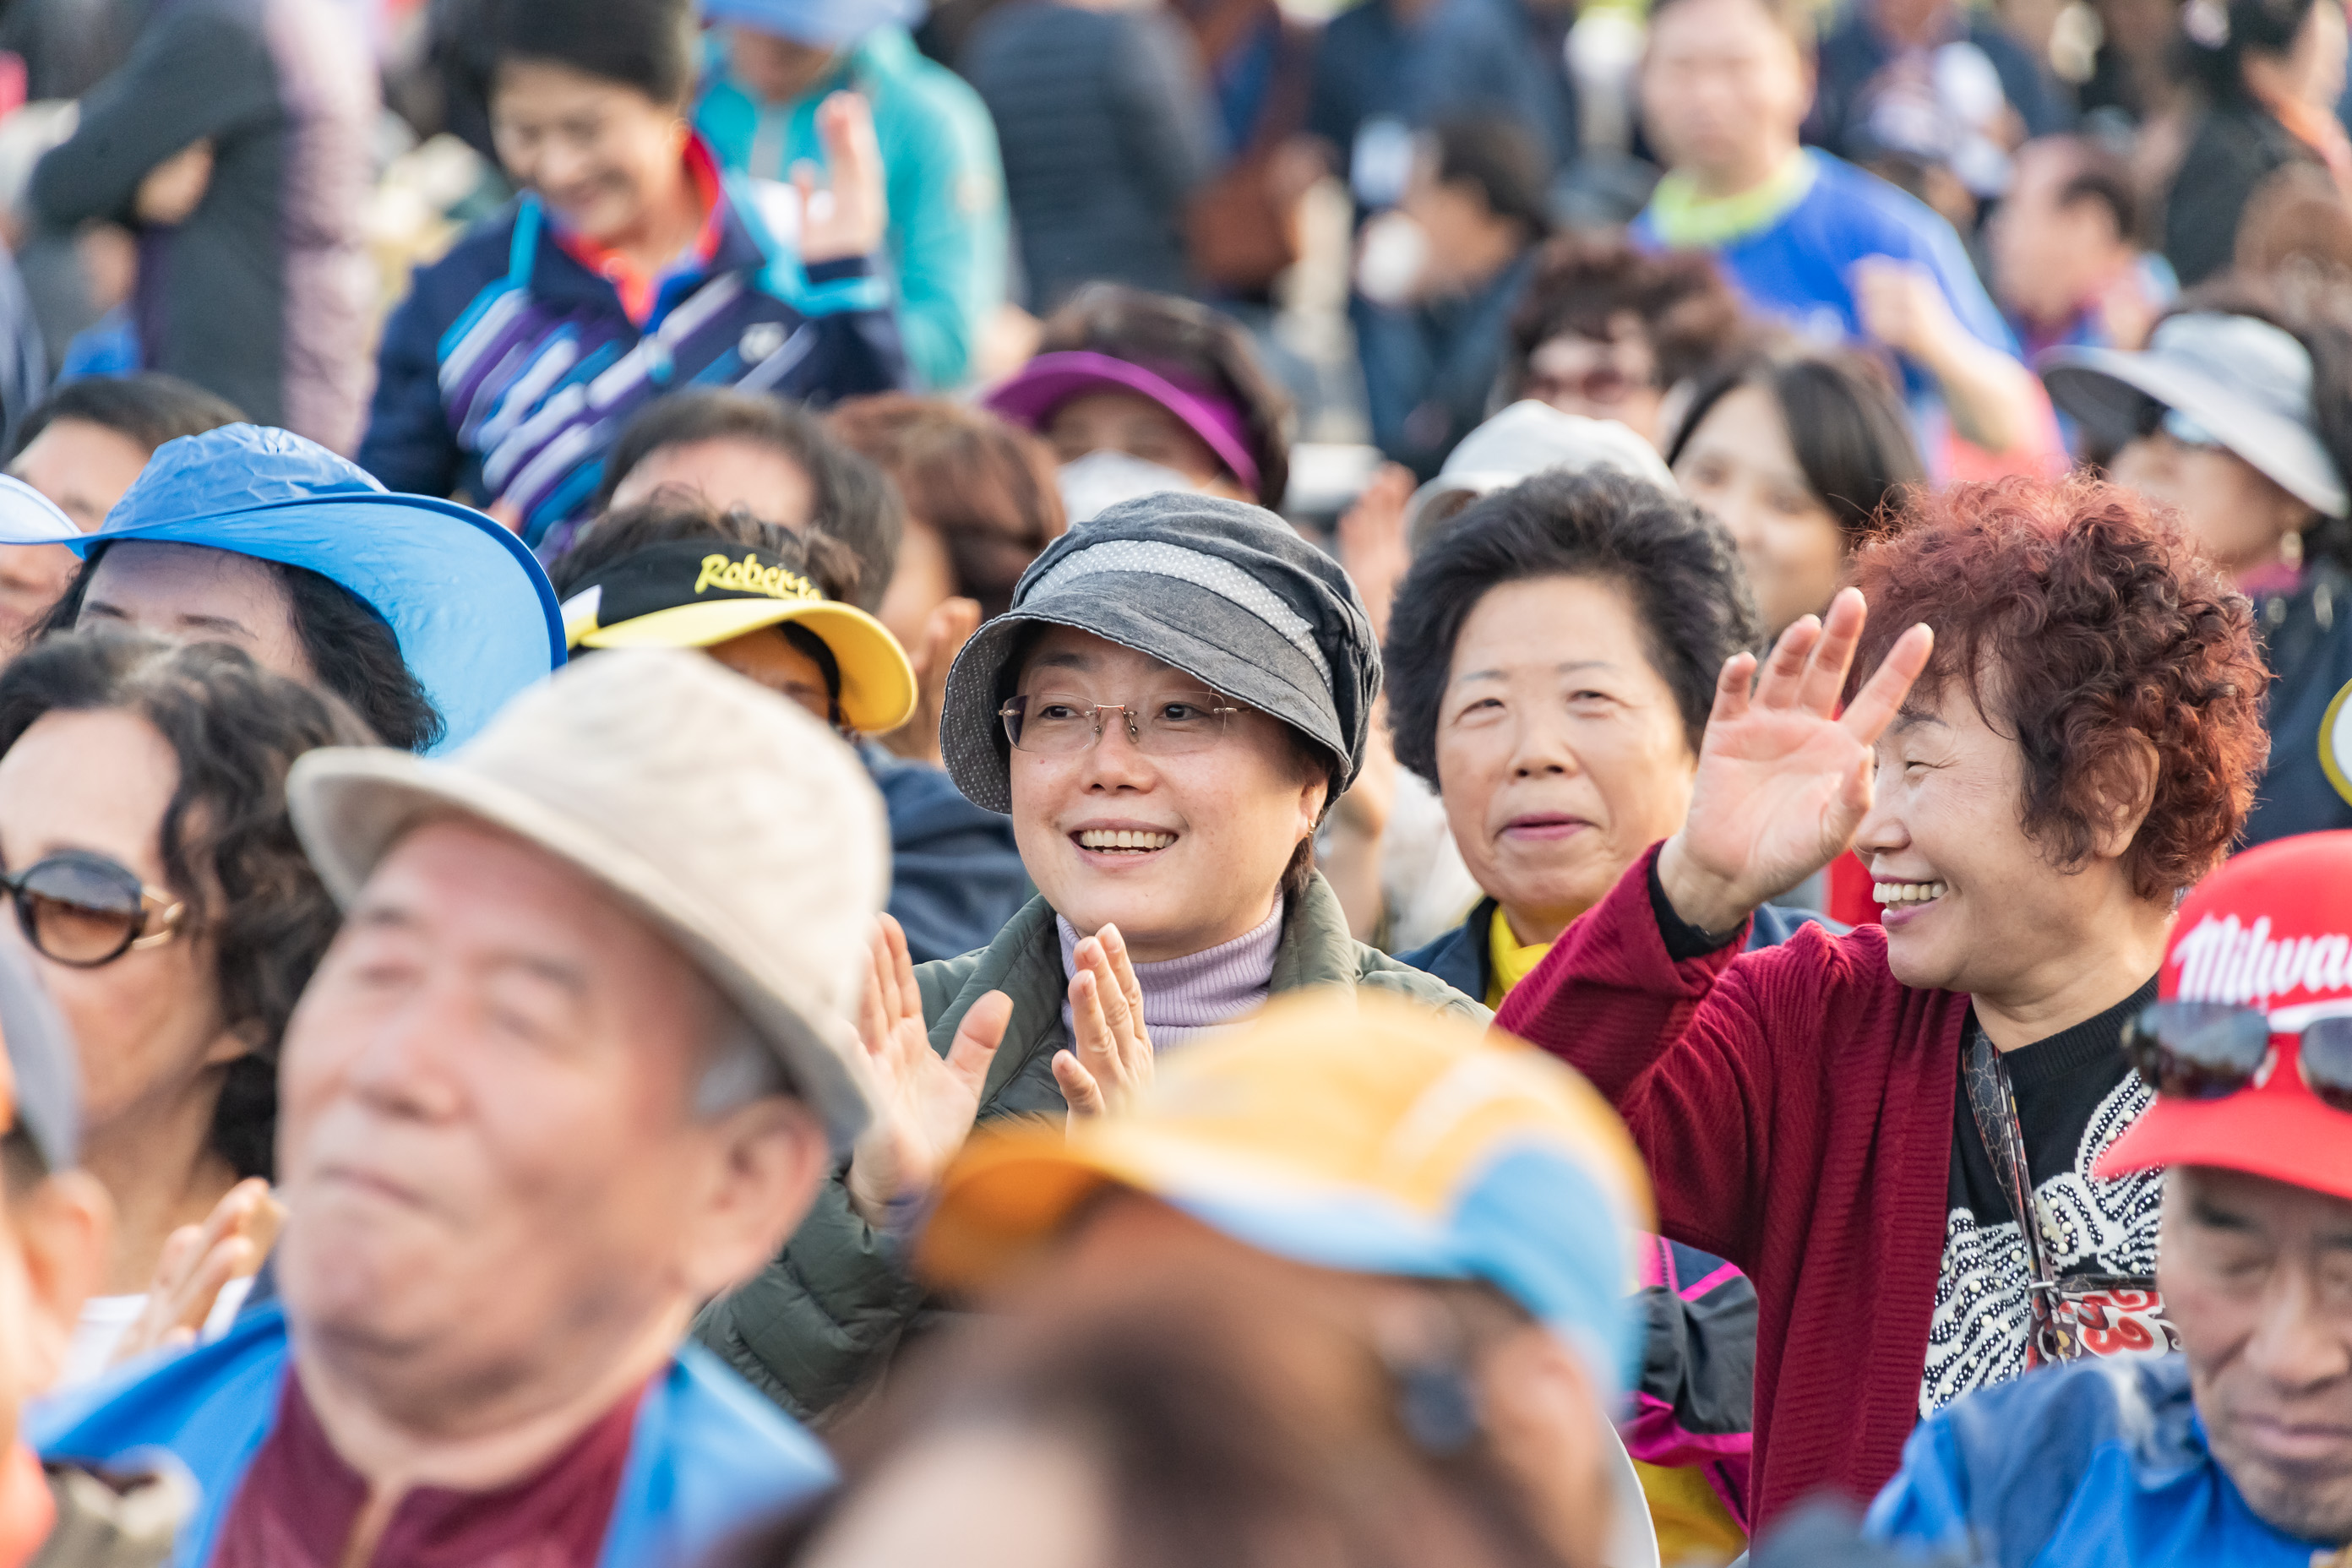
2271	929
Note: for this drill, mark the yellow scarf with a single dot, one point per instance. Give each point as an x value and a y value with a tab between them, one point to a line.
1511	960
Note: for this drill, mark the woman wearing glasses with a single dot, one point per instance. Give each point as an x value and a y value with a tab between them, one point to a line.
2239	413
2059	733
145	847
1178	693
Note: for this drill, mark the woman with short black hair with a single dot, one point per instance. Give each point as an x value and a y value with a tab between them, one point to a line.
630	251
1551	661
156	880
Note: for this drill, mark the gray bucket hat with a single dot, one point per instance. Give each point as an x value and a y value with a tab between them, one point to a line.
1221	590
2247	381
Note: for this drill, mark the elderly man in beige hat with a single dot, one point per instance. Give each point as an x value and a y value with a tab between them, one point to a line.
576	1063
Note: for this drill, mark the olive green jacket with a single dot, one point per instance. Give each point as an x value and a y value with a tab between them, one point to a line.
823	1319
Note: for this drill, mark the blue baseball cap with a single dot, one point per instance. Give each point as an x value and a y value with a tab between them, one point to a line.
820	24
476	619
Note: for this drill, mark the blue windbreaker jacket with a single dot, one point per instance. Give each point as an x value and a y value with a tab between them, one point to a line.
2099	1463
710	1457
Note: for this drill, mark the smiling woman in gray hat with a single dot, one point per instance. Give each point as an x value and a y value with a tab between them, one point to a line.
2239	415
1178	693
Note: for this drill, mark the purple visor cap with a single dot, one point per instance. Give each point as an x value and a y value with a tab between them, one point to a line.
1047	381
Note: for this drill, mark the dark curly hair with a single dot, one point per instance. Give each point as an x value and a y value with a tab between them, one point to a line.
1582	282
2139	648
354	652
229	849
1676	563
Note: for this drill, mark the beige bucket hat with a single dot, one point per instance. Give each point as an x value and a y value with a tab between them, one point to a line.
736	824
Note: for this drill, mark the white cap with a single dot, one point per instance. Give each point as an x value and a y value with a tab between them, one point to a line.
1526	439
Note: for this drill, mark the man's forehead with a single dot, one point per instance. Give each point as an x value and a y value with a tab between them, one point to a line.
452	869
2267	1201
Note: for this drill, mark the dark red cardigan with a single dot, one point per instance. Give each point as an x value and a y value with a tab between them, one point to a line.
1795	1105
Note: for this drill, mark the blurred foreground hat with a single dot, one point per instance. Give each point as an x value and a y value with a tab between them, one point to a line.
2239	382
475	618
1363	1134
820	24
1223	591
41	1093
1360	1133
1526	439
697	593
736	824
2271	930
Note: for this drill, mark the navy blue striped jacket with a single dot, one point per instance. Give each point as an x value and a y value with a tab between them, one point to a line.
511	367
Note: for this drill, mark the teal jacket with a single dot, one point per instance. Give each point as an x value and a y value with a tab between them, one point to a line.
823	1319
709	1458
950	241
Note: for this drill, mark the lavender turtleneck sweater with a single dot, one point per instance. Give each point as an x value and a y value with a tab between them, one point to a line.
1189	997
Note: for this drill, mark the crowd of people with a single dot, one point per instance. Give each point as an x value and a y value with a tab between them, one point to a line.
1083	782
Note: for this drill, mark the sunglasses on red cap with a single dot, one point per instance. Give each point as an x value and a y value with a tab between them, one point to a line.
2209	1050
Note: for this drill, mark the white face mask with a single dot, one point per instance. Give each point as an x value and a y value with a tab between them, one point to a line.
1093	484
1392	259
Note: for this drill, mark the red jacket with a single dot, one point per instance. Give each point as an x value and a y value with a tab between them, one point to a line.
1795	1105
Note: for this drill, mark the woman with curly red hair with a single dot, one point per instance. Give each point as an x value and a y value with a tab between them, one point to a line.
2061	734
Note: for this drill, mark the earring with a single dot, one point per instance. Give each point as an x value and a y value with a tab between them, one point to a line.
2290	547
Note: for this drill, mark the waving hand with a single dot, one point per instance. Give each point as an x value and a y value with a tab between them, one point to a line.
1784	779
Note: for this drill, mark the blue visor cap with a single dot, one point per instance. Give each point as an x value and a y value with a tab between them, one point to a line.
475	618
819	24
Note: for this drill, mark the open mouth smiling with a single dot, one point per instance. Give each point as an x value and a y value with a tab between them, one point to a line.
1122	840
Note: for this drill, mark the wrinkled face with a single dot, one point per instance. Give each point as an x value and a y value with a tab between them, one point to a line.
149	1024
1180	852
2235	510
602	155
2257	1276
196	594
765	656
1971	903
1131	423
1739	465
1720	82
486	1139
1612	378
2049	260
1560	751
729	473
774	69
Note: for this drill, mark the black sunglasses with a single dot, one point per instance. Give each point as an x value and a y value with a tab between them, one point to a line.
2208	1050
80	909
